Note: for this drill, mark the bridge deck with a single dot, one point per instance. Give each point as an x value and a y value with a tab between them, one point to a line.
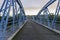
34	31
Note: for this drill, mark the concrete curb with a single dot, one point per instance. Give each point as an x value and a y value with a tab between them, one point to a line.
10	38
54	30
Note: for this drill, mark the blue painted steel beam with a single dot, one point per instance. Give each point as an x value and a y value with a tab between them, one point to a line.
5	9
54	20
3	5
47	4
56	15
22	9
20	4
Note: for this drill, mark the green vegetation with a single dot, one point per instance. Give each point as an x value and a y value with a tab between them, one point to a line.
51	16
0	18
10	19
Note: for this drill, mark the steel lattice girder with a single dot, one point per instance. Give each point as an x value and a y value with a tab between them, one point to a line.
5	9
48	4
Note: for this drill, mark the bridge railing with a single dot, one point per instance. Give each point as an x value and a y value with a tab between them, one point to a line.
46	18
9	24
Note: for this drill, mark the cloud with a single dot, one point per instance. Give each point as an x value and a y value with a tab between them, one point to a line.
34	3
38	4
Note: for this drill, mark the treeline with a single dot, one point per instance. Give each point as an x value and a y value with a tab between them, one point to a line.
51	17
10	19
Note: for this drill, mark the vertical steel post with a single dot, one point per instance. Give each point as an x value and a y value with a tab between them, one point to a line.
56	15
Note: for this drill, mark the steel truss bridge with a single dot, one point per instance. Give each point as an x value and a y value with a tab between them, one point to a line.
39	27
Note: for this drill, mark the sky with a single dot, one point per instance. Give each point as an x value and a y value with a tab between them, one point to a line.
38	4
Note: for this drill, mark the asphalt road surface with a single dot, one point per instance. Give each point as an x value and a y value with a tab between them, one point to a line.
34	31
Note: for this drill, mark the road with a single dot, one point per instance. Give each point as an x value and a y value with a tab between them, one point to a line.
34	31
